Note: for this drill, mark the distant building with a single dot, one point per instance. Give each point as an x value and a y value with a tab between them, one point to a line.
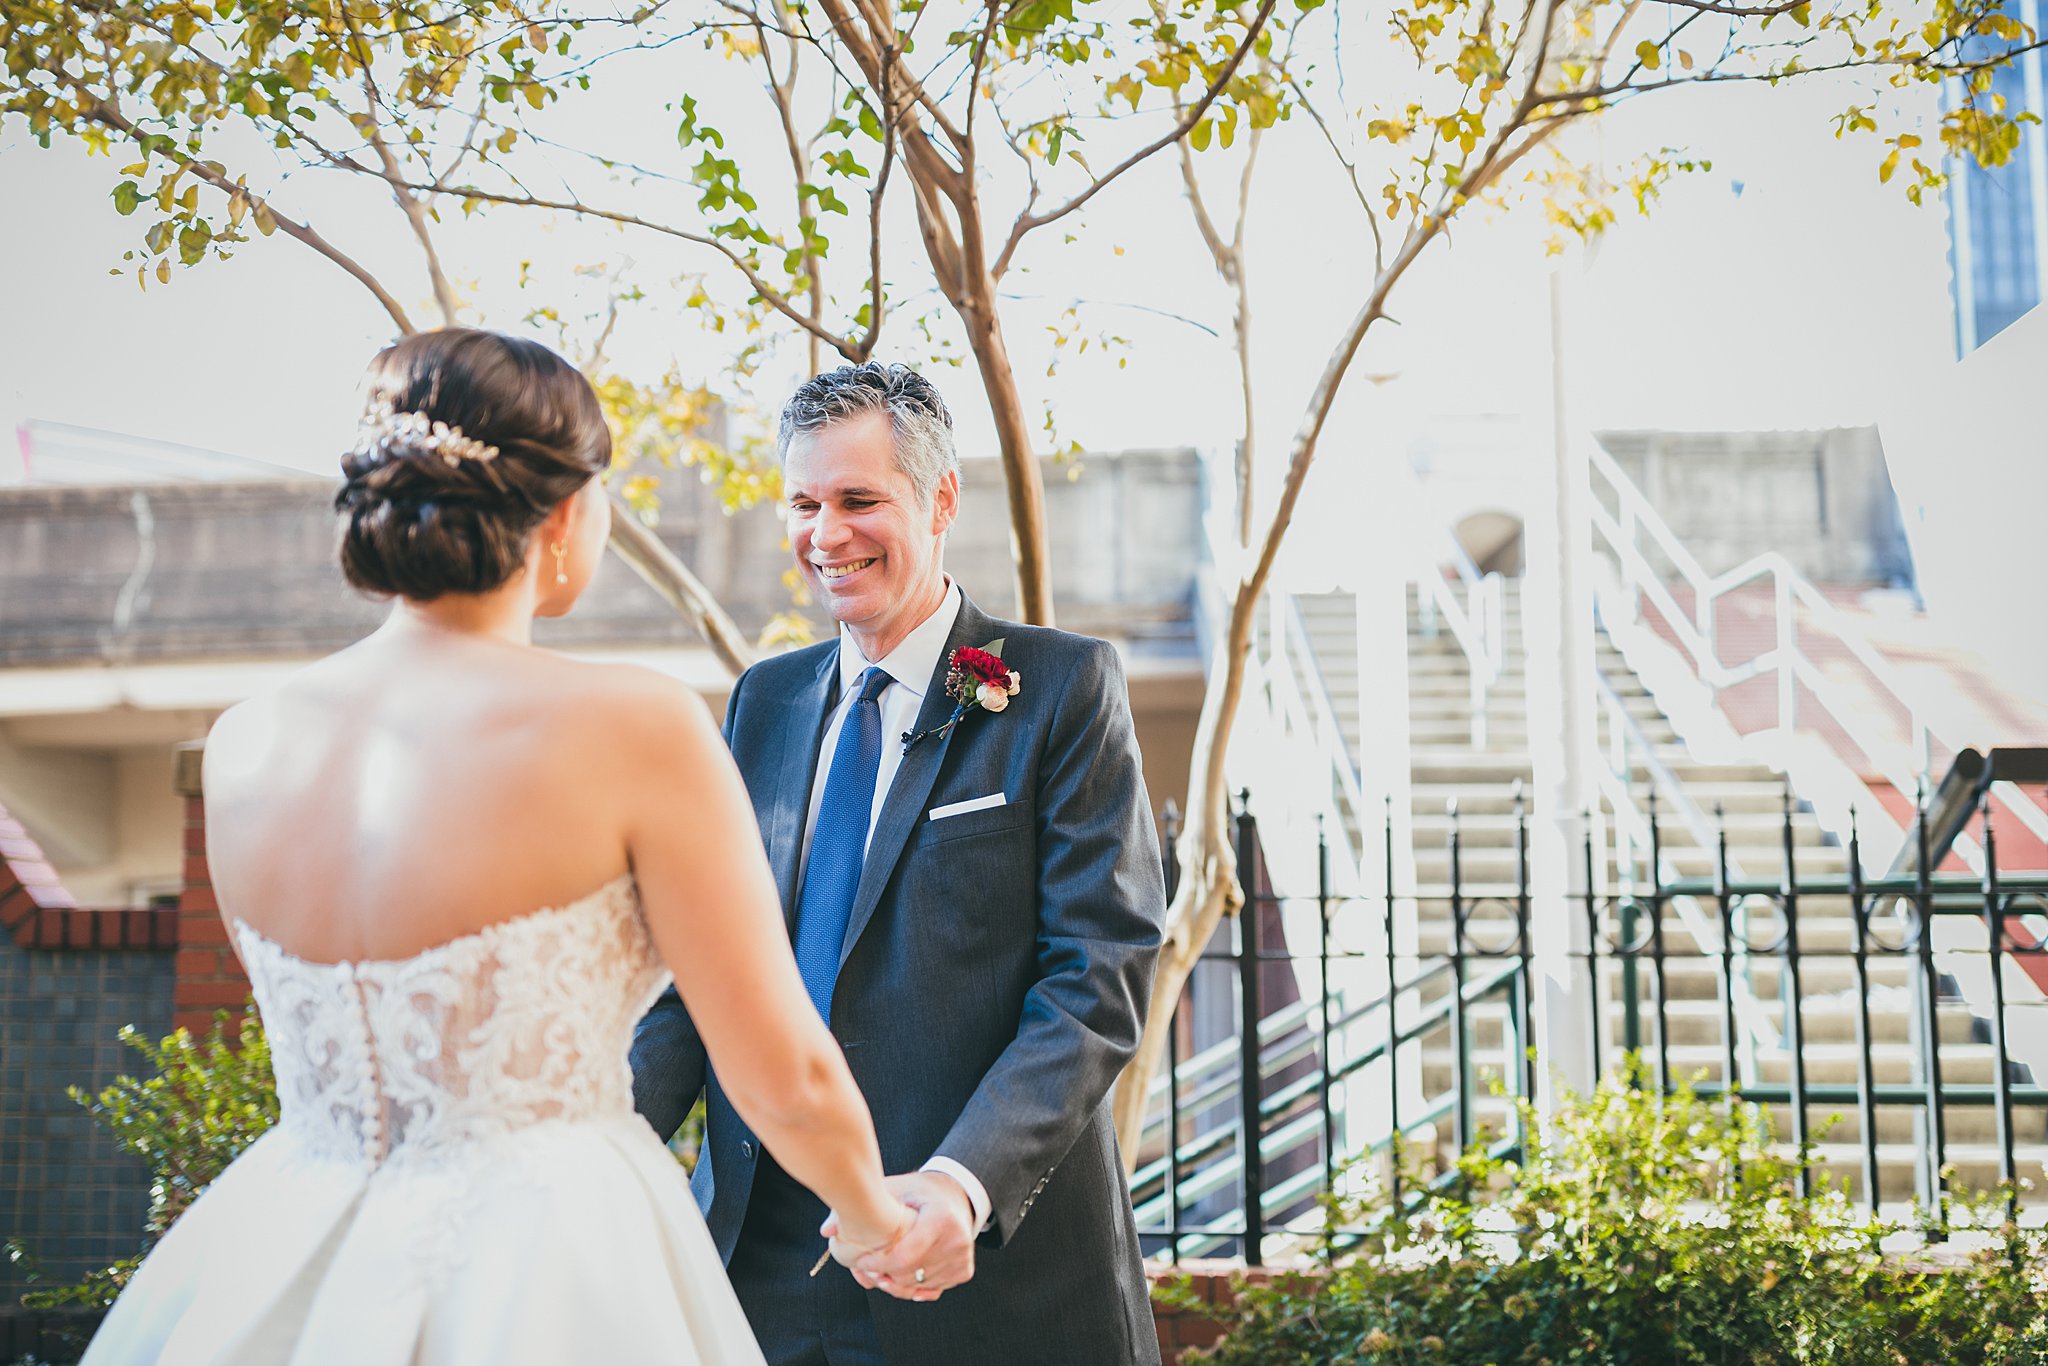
1998	215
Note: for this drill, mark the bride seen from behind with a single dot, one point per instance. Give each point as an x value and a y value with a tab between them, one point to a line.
456	866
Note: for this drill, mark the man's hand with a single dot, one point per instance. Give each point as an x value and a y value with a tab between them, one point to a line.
940	1243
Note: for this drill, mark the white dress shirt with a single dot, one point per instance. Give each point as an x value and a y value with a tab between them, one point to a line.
910	667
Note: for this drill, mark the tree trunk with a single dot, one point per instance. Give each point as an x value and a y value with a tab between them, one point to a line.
1208	888
667	575
1020	463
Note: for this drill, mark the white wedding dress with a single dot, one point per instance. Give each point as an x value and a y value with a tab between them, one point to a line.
458	1175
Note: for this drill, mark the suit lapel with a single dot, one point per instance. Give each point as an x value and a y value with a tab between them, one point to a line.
803	727
914	778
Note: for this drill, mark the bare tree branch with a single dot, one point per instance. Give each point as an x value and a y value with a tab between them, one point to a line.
97	110
1372	218
873	53
594	360
782	90
468	142
1028	222
770	295
876	301
415	210
1219	250
988	33
1736	11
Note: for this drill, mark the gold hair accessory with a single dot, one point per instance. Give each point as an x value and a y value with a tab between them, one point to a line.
382	424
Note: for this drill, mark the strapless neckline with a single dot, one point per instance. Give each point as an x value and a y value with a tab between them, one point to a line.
481	935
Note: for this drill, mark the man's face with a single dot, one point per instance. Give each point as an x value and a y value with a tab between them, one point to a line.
865	545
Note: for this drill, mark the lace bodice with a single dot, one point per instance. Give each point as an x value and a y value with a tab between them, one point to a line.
404	1060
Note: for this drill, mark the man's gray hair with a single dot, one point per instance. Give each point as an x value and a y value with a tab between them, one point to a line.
917	416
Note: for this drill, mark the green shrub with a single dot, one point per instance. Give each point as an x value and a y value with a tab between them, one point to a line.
1640	1229
209	1099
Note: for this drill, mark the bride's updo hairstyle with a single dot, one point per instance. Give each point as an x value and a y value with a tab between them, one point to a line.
469	439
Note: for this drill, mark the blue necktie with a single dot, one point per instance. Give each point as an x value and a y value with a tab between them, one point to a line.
839	843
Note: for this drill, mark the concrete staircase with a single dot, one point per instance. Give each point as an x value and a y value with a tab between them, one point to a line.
1446	767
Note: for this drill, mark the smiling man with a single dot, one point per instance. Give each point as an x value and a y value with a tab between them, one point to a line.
953	809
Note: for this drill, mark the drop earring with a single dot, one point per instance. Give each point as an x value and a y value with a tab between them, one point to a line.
561	574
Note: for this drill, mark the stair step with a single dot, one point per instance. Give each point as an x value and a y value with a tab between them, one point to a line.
1737	798
1462	766
1747	830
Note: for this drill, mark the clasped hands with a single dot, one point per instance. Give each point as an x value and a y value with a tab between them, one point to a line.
935	1238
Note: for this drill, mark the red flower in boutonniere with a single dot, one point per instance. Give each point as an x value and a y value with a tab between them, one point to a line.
974	678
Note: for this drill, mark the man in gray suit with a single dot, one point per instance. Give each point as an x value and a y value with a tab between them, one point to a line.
975	897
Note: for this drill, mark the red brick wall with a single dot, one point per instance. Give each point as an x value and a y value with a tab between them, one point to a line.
37	912
1216	1284
210	977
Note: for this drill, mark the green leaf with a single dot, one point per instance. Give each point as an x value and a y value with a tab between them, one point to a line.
1198	136
192	243
127	196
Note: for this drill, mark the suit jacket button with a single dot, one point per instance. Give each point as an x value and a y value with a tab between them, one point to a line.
746	1147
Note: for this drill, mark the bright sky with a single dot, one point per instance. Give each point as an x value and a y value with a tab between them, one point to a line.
1784	287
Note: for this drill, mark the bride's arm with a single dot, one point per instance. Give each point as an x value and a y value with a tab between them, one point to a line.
715	915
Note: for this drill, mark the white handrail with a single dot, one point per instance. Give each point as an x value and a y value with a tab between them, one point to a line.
1906	768
1478	623
1315	713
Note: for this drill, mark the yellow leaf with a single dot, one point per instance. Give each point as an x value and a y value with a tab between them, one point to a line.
1685	59
1646	53
163	271
1891	163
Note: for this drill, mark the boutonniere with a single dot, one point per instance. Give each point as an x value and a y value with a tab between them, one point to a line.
974	678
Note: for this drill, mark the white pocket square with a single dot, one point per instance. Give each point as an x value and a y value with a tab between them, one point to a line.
939	813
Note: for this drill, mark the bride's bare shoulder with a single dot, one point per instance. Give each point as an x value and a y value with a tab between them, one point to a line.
637	703
316	684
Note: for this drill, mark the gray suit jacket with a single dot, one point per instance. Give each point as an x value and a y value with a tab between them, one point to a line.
992	984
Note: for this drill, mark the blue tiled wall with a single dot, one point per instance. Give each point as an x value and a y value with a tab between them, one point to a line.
66	1189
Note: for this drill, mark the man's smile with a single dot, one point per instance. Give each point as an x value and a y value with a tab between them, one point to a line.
840	571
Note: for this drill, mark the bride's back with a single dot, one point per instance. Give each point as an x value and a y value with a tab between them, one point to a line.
414	788
441	774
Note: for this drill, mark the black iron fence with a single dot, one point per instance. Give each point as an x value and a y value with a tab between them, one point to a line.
1896	1025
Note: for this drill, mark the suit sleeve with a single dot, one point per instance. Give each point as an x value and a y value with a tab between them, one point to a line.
1101	910
668	1059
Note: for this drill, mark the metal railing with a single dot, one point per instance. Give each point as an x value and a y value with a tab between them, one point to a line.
1357	1045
